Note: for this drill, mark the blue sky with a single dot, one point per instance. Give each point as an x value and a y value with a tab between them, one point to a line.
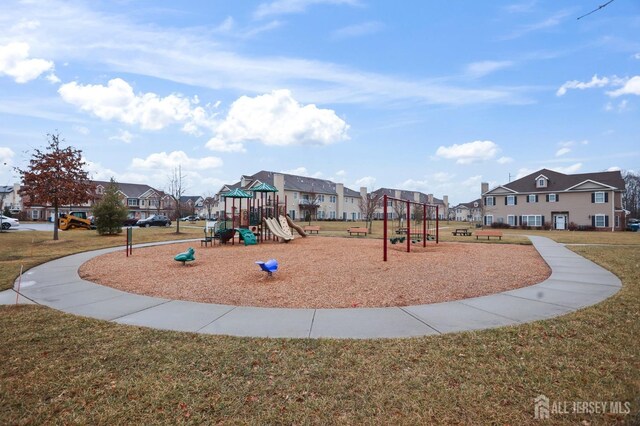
423	95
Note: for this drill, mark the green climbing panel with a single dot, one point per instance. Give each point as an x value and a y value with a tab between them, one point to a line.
247	236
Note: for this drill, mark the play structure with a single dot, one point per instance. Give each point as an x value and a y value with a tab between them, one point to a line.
186	256
423	216
262	218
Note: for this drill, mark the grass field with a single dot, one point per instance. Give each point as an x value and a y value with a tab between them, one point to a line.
59	368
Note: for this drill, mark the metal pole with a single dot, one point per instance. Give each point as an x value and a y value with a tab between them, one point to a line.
384	228
408	227
424	225
437	224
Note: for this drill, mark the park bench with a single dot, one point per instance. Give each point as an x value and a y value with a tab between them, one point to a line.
489	234
312	229
357	231
462	231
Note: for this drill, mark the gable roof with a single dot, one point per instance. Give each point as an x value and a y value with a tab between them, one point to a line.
470	205
560	182
130	190
192	198
407	195
294	183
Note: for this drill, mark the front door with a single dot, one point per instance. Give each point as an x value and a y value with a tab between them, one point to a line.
560	222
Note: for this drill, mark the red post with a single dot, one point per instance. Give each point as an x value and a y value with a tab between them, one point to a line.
384	227
438	224
408	226
424	225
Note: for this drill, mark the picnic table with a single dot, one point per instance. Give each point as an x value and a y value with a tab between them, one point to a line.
462	231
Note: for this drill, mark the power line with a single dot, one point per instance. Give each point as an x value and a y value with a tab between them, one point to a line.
597	9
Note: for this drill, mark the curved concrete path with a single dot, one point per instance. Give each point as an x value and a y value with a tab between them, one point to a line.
575	282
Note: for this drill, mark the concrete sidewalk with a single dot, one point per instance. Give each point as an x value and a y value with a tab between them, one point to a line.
575	282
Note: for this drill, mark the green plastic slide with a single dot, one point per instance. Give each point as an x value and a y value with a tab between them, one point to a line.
247	236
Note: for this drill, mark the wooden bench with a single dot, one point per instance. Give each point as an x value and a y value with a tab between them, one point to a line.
312	229
489	234
462	231
358	231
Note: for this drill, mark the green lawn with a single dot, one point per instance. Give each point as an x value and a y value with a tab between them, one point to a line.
59	368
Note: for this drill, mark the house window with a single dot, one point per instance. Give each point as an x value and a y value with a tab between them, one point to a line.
321	198
532	220
332	215
99	190
490	201
511	220
332	198
321	214
541	183
488	220
292	213
295	195
510	200
552	198
35	214
132	202
617	221
600	221
599	198
532	198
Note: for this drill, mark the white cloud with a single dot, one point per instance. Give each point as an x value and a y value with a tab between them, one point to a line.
282	7
164	161
562	151
15	63
6	156
302	171
277	119
480	69
123	135
575	84
415	185
470	152
357	30
117	101
631	87
366	181
473	182
568	169
636	56
341	173
81	129
550	22
505	160
614	169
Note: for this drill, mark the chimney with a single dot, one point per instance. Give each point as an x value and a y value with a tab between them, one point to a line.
484	187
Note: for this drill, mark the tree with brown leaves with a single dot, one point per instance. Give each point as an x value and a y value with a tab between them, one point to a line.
56	177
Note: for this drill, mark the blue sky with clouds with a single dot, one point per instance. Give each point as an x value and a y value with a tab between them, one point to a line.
424	95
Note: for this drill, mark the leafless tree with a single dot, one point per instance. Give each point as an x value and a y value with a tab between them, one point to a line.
631	195
368	206
400	209
310	203
176	190
209	202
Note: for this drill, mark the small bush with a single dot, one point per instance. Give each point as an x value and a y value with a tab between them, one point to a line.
572	226
546	227
498	225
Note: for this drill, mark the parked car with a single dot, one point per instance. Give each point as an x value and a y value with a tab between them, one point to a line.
633	225
9	222
154	220
190	218
130	221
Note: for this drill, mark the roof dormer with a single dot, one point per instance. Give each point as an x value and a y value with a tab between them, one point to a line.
542	181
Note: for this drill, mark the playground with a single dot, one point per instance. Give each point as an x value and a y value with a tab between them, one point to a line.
322	272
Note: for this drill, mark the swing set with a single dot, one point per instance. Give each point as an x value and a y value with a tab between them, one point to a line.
429	213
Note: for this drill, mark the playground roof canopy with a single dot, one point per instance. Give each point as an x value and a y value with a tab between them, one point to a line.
264	187
237	193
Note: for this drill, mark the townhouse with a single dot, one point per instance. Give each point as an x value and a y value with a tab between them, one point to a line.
558	201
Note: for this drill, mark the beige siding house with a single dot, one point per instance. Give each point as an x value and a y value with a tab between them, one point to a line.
467	212
322	199
419	197
558	201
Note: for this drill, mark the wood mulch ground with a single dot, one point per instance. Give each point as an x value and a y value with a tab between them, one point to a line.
322	272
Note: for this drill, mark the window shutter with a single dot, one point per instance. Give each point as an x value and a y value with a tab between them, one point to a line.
527	198
557	197
606	197
515	200
536	198
593	220
542	220
547	198
505	200
593	197
521	220
606	220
